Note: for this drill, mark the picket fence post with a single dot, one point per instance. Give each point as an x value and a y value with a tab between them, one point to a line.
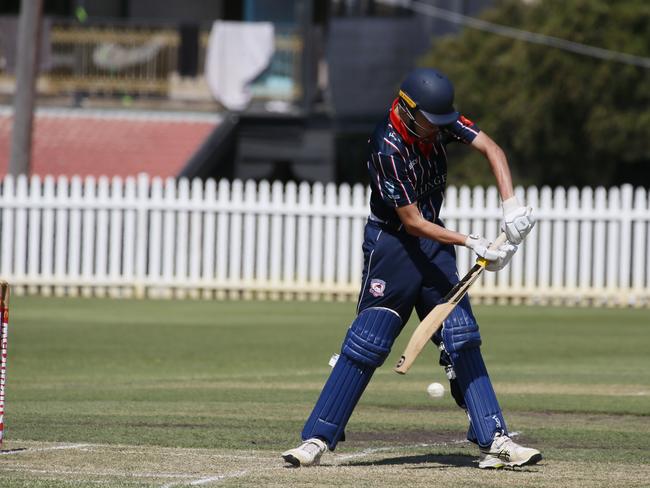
179	238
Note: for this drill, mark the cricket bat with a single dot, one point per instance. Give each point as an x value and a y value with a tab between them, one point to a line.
432	322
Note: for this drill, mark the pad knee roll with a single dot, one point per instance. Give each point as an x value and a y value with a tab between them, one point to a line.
460	330
371	336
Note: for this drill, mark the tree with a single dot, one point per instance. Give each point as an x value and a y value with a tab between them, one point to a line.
562	118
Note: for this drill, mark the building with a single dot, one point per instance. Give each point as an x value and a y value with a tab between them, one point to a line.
334	69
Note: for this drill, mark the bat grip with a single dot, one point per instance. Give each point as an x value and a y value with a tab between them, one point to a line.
499	240
495	245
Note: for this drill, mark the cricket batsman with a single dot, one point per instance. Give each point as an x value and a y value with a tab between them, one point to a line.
410	262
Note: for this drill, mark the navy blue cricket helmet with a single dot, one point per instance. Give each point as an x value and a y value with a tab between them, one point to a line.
430	91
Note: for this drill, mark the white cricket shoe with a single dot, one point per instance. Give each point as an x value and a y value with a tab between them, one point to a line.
506	452
306	454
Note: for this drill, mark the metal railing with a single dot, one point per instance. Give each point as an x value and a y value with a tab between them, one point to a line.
123	59
105	60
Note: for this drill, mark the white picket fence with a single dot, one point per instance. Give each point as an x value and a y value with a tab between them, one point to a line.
175	238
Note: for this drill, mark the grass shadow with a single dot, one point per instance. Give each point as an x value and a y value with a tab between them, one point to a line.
11	451
445	460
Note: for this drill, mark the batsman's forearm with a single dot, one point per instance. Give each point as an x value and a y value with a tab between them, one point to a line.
424	228
501	171
498	163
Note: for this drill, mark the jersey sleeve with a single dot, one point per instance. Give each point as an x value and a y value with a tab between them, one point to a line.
463	130
392	180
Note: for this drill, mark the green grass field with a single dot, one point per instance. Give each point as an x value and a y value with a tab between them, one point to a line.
187	393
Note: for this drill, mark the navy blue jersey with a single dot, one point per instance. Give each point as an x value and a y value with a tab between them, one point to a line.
405	171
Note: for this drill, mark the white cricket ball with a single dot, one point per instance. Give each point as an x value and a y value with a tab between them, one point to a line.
435	390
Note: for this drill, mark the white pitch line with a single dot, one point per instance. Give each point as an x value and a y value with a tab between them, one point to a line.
366	452
51	448
41	471
373	450
204	481
175	476
170	451
211	479
96	473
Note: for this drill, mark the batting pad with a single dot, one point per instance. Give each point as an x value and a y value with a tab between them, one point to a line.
365	348
460	329
481	401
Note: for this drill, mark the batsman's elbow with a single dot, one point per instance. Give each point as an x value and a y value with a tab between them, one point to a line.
412	219
414	228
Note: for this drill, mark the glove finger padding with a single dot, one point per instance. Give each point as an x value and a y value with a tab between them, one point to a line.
508	250
517	220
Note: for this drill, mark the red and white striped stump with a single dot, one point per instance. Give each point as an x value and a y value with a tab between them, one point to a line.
4	324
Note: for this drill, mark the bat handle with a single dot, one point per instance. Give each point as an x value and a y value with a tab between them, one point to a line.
502	238
495	245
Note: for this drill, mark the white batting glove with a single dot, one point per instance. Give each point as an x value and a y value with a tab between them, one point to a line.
499	264
517	220
480	245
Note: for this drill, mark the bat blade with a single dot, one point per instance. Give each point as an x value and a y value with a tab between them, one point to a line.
422	334
434	319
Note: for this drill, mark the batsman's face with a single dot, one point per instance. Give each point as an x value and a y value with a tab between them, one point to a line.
425	129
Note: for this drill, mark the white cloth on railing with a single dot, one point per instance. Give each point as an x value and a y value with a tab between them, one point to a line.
237	53
113	56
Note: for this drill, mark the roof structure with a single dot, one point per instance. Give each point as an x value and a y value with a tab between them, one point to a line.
109	142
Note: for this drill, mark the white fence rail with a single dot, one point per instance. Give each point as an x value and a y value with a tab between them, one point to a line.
153	237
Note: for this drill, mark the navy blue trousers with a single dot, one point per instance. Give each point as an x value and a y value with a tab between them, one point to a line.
402	272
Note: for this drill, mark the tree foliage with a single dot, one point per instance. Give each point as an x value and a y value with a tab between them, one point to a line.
562	118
